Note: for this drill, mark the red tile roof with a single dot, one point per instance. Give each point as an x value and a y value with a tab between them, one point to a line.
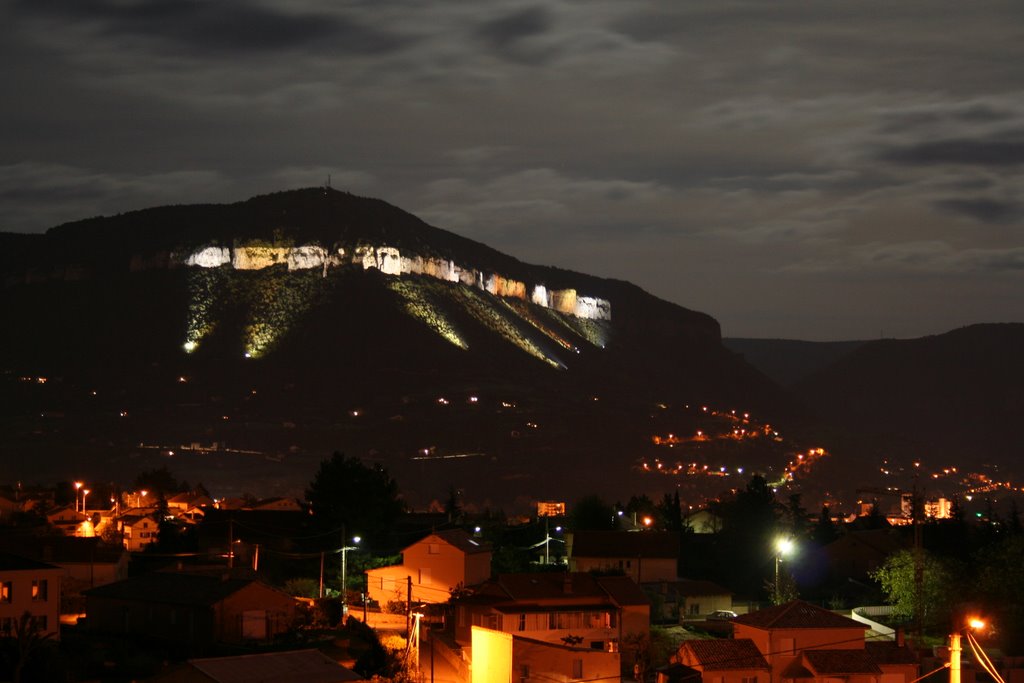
298	666
840	662
623	590
716	654
796	614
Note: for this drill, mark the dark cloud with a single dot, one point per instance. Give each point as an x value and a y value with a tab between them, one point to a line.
910	121
510	36
213	27
966	152
510	29
984	210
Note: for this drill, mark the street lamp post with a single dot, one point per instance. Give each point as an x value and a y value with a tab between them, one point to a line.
85	492
78	488
344	571
783	546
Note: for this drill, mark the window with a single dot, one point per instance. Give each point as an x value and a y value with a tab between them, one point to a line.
522	622
6	591
6	626
39	590
39	623
694	608
748	679
597	645
433	549
577	668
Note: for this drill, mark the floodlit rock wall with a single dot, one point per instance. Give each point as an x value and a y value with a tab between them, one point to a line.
258	257
390	261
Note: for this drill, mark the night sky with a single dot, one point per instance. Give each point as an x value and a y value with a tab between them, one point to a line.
827	170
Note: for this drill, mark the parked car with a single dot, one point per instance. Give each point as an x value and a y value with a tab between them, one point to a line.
722	615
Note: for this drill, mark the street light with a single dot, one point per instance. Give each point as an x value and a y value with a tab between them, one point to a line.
78	487
973	624
344	573
85	492
783	546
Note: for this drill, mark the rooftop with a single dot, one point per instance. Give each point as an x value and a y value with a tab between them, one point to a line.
720	654
796	614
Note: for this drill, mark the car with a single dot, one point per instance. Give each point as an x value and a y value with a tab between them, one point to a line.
722	615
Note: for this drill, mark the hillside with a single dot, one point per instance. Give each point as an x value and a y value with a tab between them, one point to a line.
949	400
787	361
248	340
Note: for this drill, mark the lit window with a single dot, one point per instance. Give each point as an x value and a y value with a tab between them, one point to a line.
6	591
39	590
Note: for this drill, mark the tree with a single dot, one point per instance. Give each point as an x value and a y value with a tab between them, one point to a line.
346	493
825	530
896	577
160	481
591	513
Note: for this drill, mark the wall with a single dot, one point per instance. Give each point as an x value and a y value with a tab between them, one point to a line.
21	600
390	261
544	662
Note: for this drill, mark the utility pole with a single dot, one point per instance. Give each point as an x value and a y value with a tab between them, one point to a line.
231	543
408	607
321	573
954	657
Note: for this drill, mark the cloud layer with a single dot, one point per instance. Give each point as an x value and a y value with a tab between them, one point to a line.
815	171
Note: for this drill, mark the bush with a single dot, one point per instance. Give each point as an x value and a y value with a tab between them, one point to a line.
396	607
302	588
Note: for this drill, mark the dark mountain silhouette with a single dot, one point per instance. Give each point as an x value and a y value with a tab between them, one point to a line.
954	399
787	361
261	372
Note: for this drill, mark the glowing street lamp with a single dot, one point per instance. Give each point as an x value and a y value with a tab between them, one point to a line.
78	488
783	546
85	492
344	572
974	624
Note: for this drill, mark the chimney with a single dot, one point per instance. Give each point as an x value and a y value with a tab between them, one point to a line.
567	584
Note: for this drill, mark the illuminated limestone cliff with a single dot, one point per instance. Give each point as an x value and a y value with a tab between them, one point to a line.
390	261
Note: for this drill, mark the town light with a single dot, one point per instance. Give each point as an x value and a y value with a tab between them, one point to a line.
78	488
85	492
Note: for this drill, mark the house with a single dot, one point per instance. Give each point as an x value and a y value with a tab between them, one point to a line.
717	660
799	642
295	666
69	520
193	609
499	656
29	586
434	565
570	608
138	531
643	556
277	504
686	598
84	563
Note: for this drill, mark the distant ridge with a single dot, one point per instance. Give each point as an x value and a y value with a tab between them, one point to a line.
956	397
788	361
